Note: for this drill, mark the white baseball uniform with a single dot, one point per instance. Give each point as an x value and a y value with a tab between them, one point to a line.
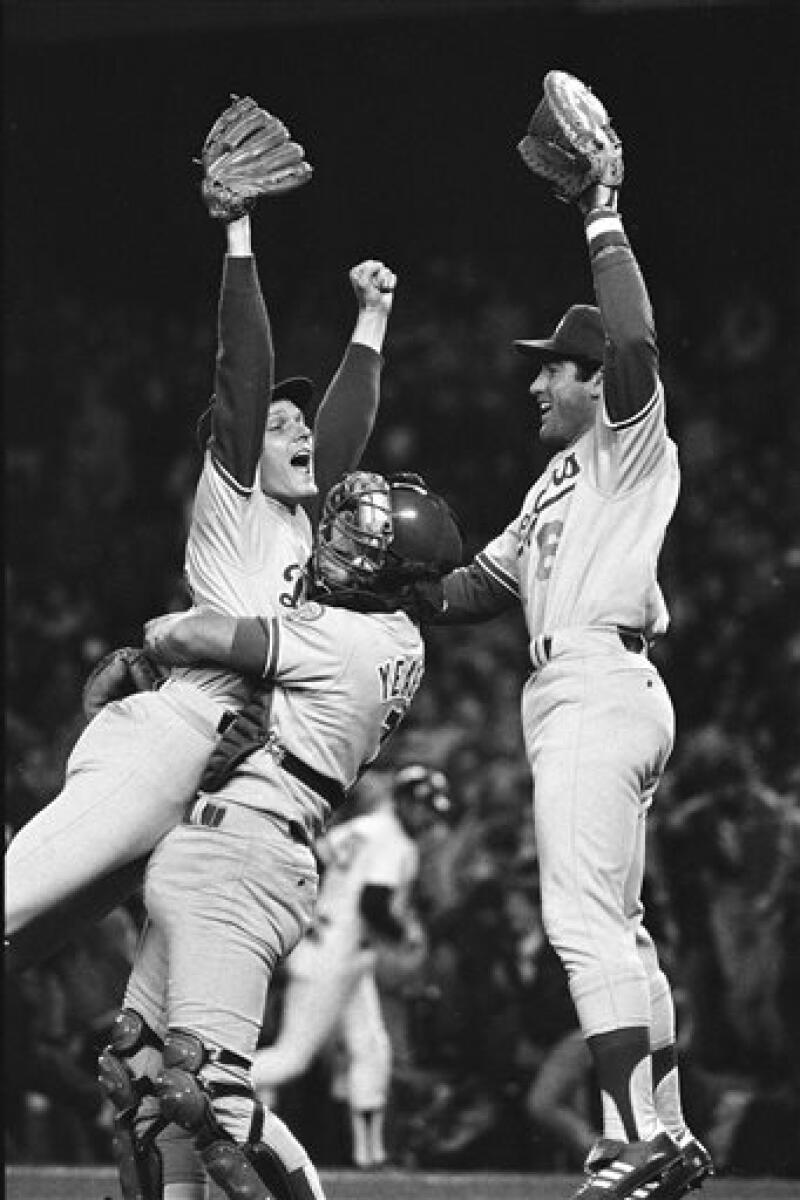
598	723
331	983
232	889
140	760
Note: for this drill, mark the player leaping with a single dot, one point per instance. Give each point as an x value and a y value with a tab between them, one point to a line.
140	760
597	720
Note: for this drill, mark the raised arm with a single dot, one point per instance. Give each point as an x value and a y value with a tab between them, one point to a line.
244	372
347	413
631	358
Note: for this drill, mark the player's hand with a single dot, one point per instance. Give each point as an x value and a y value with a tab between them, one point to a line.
374	285
158	636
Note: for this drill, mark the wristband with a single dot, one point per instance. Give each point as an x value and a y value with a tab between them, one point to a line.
603	229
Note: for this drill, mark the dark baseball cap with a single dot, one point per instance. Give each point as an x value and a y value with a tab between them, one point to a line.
578	335
296	388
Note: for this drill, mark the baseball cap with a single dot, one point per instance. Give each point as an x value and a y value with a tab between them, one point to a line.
579	334
296	388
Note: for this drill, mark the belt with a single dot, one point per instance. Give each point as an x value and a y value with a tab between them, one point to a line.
212	815
329	789
633	640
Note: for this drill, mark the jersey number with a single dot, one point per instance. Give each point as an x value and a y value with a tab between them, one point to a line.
547	540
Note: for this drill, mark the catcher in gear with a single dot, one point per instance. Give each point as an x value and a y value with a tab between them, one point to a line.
597	719
140	760
232	889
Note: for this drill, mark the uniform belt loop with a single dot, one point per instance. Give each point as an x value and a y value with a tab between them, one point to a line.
541	650
225	720
633	640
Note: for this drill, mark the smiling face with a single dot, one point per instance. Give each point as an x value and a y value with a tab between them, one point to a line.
567	402
287	463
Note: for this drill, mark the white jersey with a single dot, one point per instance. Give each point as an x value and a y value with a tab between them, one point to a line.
343	683
245	555
583	551
369	850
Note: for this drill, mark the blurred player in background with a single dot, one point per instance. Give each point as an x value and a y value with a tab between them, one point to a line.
597	720
231	890
370	864
140	760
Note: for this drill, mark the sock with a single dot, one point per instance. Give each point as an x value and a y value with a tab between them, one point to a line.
186	1190
184	1175
667	1093
666	1084
367	1129
622	1063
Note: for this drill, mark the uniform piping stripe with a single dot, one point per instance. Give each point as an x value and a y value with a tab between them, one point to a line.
641	414
272	632
605	224
497	573
230	480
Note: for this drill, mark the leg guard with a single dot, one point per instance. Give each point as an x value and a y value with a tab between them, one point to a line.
135	1129
249	1170
254	1172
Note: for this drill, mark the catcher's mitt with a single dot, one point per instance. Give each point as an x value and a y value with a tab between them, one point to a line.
570	142
248	153
118	674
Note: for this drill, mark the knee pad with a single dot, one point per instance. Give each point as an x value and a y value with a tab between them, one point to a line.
133	1147
181	1095
254	1172
129	1033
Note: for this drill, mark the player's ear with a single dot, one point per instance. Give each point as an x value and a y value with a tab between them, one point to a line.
596	384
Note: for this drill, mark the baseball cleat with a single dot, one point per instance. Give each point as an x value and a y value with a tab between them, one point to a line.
640	1170
695	1166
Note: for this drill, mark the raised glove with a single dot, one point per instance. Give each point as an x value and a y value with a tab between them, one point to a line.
118	674
248	153
248	731
570	143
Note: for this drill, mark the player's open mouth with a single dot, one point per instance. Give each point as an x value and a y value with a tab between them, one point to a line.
301	460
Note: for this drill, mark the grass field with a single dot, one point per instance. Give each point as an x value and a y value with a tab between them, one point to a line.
76	1183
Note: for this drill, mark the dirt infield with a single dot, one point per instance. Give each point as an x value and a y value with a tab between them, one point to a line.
76	1183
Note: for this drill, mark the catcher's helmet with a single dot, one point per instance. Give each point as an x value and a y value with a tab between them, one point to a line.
424	785
379	534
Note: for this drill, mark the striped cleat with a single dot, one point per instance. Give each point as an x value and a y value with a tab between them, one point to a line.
695	1166
639	1170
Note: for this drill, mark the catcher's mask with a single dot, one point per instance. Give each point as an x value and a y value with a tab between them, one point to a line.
297	388
379	535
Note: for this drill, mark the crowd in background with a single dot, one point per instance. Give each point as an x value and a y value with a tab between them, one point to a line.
101	462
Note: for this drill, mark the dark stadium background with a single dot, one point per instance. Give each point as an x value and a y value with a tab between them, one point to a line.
409	111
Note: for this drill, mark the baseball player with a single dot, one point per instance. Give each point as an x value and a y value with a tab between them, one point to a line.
138	762
598	723
232	889
370	865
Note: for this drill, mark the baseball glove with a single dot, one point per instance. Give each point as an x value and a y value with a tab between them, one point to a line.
118	674
248	153
570	143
